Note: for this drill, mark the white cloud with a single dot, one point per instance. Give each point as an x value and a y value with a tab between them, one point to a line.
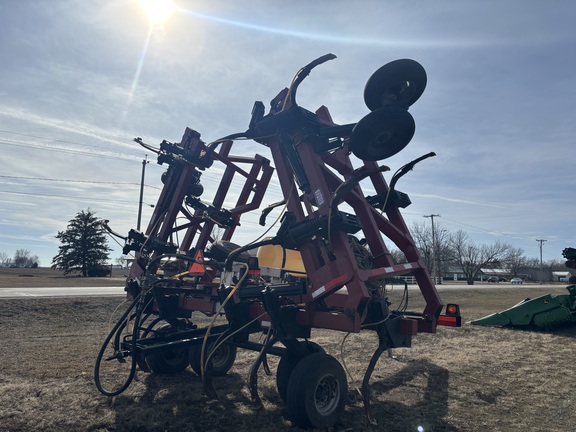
498	109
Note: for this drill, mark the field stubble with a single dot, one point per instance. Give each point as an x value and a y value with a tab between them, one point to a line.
466	379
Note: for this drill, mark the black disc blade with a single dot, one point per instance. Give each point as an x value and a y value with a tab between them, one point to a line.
398	83
382	133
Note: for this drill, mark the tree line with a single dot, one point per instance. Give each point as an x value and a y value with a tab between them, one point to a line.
21	258
84	250
443	250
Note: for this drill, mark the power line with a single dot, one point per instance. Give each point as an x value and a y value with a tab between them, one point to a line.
49	139
483	229
81	181
210	177
496	233
67	151
70	180
65	197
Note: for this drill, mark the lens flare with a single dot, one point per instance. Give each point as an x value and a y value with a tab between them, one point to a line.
158	11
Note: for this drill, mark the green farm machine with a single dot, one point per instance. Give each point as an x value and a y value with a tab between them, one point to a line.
547	311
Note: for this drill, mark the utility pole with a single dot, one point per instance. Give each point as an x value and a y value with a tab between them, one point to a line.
540	241
144	162
434	251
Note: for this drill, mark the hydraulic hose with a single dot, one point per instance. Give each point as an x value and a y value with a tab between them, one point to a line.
112	333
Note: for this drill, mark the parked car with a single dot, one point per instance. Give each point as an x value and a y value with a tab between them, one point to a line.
493	279
516	281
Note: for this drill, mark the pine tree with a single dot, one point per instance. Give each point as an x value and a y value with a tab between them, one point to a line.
84	245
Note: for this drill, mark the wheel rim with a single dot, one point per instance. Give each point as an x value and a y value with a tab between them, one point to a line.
220	356
174	357
327	395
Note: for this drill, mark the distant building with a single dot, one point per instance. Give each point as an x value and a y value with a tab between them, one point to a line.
561	276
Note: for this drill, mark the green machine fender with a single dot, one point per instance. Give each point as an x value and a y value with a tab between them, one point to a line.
549	310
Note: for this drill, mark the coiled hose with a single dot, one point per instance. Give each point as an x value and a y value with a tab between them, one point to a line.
112	333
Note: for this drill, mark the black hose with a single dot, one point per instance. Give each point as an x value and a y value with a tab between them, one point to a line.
304	72
235	253
212	146
170	255
351	183
408	167
116	335
97	380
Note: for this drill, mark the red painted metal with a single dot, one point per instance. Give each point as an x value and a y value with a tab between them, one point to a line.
328	215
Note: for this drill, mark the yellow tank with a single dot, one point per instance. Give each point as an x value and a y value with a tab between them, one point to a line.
278	257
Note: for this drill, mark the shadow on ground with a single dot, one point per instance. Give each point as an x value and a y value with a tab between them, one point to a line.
178	402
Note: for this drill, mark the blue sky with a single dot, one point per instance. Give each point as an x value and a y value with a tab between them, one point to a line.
80	79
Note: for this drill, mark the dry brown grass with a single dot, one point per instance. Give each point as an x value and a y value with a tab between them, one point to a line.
467	379
47	278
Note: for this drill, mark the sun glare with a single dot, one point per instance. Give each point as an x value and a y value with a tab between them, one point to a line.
158	11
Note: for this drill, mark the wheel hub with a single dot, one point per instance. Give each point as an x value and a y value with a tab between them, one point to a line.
327	395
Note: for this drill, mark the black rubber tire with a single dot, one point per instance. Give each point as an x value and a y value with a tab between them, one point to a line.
317	392
382	133
399	83
167	361
221	362
287	364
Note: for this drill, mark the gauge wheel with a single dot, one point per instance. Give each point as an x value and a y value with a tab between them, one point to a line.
221	362
286	366
317	391
169	361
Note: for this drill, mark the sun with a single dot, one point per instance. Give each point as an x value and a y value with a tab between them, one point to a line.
158	11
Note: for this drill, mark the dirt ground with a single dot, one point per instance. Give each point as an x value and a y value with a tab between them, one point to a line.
466	379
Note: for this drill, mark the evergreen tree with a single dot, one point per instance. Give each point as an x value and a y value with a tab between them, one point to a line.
84	245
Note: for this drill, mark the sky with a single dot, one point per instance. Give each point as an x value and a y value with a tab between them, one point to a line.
81	79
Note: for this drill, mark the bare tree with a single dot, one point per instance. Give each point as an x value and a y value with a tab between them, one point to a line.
445	252
515	261
121	261
551	266
4	258
23	258
422	234
397	256
471	258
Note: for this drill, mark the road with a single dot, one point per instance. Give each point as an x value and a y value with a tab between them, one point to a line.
452	285
61	292
119	291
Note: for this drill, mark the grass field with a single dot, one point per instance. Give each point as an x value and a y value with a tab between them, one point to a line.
465	379
46	277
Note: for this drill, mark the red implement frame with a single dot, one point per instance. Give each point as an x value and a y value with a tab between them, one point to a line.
171	218
341	291
329	260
